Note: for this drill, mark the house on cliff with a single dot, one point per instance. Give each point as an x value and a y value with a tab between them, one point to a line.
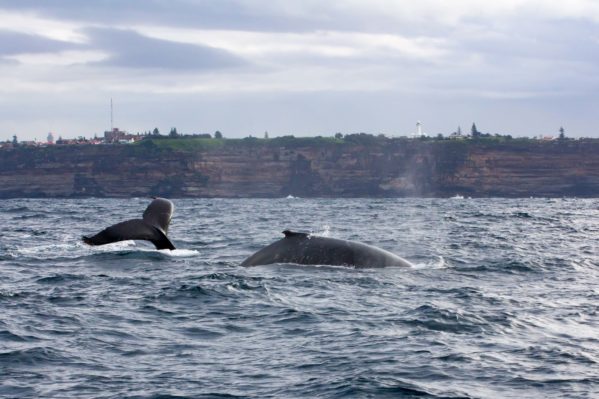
116	136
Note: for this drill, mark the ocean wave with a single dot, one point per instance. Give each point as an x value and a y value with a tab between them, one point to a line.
37	215
60	278
16	209
6	335
432	317
36	356
501	302
502	266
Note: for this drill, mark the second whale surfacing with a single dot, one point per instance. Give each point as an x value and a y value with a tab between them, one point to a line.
152	227
306	249
298	248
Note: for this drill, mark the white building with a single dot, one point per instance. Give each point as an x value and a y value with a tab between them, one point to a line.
419	132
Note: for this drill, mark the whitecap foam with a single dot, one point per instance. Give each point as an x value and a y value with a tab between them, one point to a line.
438	263
132	245
180	253
325	231
67	250
116	246
39	249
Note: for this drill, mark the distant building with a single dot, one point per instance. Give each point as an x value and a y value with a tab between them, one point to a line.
419	132
118	136
114	136
457	134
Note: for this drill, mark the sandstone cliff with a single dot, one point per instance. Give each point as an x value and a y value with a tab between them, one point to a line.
304	167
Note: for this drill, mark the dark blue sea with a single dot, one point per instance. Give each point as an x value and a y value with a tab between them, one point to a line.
502	301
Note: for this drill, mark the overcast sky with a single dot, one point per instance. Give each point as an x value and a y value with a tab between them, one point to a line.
305	67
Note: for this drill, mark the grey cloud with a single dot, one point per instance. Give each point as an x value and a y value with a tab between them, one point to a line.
566	40
251	15
206	14
491	65
132	50
12	43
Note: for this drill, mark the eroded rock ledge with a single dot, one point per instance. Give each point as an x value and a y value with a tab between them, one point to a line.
305	168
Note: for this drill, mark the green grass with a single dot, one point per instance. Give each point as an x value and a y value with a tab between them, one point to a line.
206	144
181	144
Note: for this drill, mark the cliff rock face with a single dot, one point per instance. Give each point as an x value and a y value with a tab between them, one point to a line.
265	169
549	169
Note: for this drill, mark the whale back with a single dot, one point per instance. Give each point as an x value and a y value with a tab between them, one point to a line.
305	249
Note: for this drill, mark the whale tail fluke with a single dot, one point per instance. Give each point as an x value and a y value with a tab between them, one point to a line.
159	214
153	227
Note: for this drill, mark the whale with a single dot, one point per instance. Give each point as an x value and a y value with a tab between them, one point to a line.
295	247
307	249
152	227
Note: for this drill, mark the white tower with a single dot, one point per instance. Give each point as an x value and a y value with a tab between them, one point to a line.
418	129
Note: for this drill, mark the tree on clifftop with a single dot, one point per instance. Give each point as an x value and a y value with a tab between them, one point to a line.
173	133
562	133
474	131
14	140
218	135
155	132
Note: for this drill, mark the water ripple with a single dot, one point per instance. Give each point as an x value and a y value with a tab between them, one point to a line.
502	302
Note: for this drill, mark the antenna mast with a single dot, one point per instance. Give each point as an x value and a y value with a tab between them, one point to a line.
111	127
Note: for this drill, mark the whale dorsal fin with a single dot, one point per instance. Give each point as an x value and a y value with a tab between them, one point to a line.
159	213
289	234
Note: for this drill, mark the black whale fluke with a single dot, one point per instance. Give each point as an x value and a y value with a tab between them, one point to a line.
153	227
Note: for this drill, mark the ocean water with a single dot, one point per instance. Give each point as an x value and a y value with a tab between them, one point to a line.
502	301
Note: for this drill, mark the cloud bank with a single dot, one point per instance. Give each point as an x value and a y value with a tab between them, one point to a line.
523	67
